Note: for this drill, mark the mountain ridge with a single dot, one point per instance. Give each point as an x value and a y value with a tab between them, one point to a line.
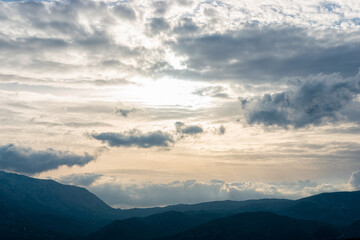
48	208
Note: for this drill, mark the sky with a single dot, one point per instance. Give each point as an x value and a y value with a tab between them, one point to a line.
152	103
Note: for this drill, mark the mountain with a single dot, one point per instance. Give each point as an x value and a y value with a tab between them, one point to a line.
353	230
44	209
219	207
340	208
258	226
30	206
154	226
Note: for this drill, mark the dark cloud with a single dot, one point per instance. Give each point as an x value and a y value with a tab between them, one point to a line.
221	130
216	92
354	181
311	101
135	138
125	12
156	26
188	130
61	32
185	2
125	112
27	160
258	54
85	179
186	26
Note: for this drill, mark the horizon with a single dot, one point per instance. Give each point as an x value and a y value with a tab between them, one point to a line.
179	204
153	103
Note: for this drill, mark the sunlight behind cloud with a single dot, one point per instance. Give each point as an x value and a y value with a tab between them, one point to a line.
163	92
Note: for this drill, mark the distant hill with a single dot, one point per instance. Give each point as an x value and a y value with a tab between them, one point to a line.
339	208
220	207
32	206
258	226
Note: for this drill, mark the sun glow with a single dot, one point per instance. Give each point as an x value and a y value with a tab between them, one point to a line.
163	92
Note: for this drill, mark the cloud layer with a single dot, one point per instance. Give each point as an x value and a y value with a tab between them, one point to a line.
69	67
257	54
27	160
192	191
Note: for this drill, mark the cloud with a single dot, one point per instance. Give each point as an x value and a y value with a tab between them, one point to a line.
307	101
160	7
135	138
192	191
65	31
257	54
221	130
125	112
186	26
354	181
85	179
188	130
27	160
125	12
216	92
157	25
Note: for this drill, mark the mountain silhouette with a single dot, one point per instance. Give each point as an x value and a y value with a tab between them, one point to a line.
30	206
259	226
44	209
155	226
340	208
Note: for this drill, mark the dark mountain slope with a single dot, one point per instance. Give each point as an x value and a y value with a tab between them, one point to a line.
45	205
152	227
340	208
258	226
223	207
353	230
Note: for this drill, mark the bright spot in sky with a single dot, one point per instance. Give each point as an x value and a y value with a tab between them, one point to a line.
164	92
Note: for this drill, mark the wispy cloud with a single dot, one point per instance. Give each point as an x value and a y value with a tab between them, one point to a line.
85	179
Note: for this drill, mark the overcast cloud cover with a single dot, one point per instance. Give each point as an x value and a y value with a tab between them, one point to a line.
228	88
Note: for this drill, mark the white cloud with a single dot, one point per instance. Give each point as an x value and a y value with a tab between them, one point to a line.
354	181
191	191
